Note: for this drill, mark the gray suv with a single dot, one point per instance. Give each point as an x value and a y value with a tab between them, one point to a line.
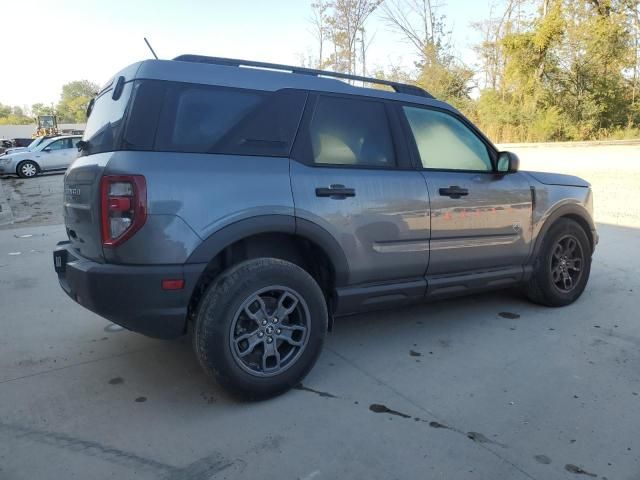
252	206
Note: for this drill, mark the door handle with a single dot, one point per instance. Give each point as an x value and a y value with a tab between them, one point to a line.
453	191
335	191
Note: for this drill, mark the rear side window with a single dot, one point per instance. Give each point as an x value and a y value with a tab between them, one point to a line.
354	132
106	121
205	119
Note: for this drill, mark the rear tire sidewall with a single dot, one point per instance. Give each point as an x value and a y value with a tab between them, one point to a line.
22	164
219	306
553	296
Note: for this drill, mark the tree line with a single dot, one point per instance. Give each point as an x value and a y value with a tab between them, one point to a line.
71	107
546	70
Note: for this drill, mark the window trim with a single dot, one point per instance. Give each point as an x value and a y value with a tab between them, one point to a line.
413	146
302	151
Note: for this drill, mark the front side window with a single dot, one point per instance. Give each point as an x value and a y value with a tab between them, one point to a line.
351	132
444	142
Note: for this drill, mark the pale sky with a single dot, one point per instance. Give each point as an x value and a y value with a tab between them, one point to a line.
52	42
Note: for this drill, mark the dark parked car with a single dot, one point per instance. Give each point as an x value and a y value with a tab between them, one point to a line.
252	206
22	142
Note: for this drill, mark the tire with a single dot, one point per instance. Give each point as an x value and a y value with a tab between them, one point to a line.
232	327
549	284
27	169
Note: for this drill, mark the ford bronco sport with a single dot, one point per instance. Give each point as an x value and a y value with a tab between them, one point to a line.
251	206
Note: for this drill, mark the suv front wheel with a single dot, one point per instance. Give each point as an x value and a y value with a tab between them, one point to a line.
260	327
562	268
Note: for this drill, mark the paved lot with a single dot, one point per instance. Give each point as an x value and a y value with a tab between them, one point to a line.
36	201
488	387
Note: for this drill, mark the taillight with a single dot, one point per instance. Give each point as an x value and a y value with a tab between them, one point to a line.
123	208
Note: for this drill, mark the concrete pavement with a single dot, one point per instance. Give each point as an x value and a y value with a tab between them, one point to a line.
488	387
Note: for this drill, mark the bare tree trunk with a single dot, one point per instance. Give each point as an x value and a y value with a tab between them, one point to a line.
636	49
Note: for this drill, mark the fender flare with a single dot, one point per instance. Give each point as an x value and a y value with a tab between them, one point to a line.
287	224
572	209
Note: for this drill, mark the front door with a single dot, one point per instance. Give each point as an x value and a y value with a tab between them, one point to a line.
352	177
480	219
58	154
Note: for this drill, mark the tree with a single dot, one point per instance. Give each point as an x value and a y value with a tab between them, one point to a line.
38	109
340	24
566	73
423	27
547	69
74	100
320	27
13	116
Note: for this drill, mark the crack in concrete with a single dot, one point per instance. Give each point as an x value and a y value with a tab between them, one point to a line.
132	352
202	469
408	399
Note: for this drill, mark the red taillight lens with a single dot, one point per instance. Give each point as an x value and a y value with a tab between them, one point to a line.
123	207
172	284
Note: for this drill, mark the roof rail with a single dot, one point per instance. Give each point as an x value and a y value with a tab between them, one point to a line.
233	62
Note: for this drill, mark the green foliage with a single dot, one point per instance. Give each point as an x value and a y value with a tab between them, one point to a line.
74	100
566	75
38	109
71	108
13	116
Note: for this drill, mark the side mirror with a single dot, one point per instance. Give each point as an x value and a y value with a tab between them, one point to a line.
508	162
46	149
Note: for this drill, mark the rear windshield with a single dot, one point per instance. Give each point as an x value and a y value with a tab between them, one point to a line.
105	123
183	117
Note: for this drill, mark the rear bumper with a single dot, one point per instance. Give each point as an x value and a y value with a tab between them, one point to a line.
129	295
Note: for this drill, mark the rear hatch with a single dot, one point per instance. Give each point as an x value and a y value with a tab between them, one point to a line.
82	205
82	181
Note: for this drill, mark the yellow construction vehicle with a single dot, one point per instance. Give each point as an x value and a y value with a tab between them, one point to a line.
47	126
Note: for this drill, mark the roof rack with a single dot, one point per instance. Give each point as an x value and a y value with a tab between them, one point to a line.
233	62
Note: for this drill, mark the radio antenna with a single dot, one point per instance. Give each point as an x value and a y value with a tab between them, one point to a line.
150	47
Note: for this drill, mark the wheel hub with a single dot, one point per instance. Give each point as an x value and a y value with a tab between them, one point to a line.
270	331
566	263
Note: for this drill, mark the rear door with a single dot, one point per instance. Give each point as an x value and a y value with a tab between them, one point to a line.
352	176
480	220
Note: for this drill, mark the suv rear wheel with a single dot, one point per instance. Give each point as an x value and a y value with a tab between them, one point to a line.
260	327
562	268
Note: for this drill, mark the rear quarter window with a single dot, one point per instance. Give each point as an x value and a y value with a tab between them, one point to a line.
206	119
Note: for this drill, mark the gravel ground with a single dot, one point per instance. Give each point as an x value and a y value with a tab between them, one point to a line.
612	170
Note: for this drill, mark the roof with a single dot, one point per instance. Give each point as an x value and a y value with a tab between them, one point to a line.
226	72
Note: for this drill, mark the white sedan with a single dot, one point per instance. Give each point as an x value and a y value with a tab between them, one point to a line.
51	154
